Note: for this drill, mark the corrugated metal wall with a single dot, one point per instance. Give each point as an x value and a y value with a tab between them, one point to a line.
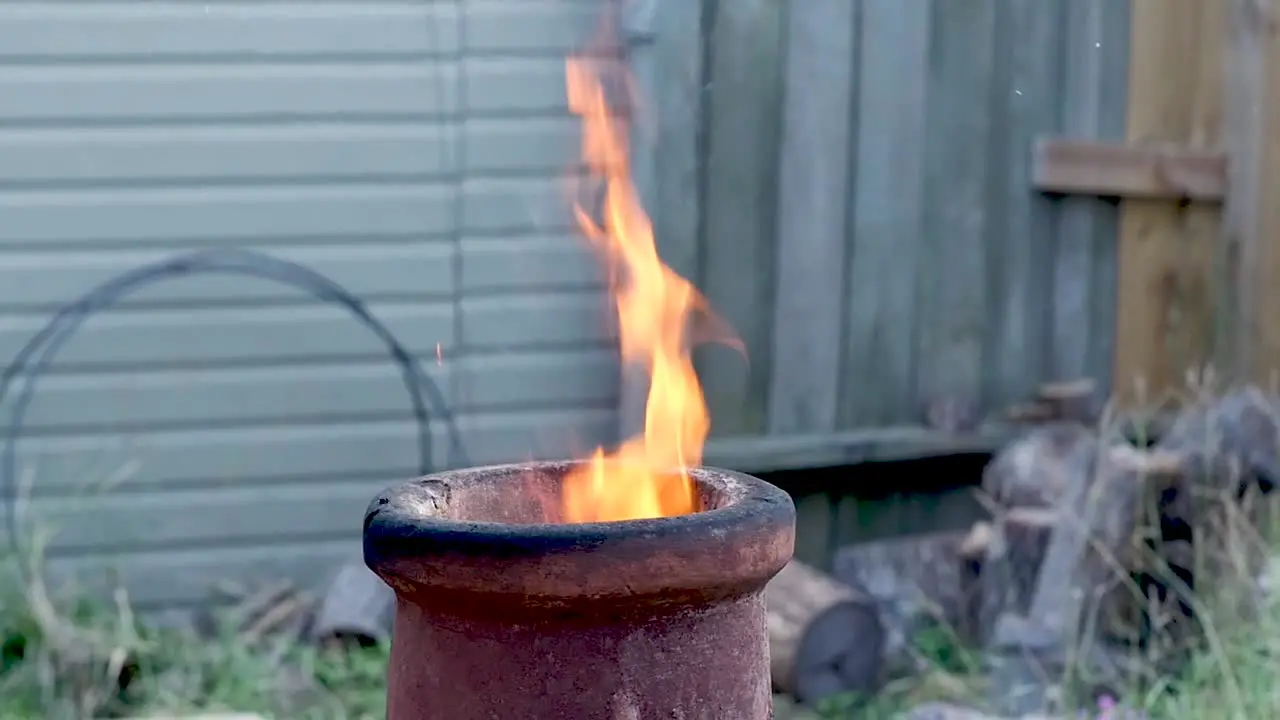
864	212
412	151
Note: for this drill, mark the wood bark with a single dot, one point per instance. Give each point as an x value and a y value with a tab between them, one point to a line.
916	583
825	638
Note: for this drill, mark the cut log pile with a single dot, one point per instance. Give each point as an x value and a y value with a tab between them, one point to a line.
1090	545
1092	537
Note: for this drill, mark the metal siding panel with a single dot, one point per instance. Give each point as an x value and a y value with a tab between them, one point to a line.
552	27
546	145
222	154
253	456
130	401
310	131
299	333
514	86
44	281
148	31
545	319
502	206
209	215
532	263
83	93
164	579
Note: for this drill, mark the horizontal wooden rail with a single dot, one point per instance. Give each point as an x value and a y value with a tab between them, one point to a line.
1086	167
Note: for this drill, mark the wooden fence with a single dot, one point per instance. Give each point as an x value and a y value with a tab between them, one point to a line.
902	203
1199	243
852	185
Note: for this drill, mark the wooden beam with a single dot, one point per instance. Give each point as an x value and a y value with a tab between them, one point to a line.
1131	171
884	444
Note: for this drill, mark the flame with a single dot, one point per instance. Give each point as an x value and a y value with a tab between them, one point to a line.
648	475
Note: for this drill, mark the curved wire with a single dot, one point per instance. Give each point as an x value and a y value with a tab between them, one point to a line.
63	325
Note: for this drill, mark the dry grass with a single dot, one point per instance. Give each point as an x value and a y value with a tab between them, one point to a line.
63	656
1224	667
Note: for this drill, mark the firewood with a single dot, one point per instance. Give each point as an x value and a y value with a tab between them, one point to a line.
1035	469
825	638
357	606
1032	412
916	584
1093	540
1088	550
1213	513
1074	400
1014	553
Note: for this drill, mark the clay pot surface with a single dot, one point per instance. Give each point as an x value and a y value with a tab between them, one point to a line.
503	615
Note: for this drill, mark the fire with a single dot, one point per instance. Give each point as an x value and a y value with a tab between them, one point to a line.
648	476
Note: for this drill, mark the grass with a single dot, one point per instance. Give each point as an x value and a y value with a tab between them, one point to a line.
63	656
95	660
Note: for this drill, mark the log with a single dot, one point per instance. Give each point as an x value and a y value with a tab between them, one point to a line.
1074	401
1011	565
825	638
1214	513
1088	553
357	607
916	584
1035	469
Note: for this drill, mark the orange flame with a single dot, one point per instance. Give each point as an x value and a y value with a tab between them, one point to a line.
648	475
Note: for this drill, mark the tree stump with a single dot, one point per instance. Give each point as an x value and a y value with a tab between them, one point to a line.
825	638
915	582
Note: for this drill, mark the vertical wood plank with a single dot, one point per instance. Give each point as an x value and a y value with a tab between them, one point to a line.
1027	92
1251	228
813	194
1244	122
878	382
953	267
1093	101
739	199
1165	289
1265	295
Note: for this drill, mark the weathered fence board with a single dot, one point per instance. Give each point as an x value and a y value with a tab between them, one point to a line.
1093	102
1168	250
887	214
739	203
953	266
812	212
868	219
